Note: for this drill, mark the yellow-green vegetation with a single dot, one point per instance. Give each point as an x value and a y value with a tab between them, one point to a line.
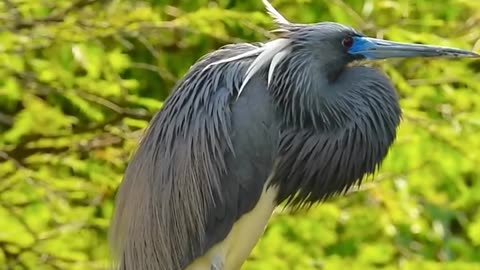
80	79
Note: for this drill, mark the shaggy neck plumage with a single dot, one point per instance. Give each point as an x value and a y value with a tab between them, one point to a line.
333	133
307	95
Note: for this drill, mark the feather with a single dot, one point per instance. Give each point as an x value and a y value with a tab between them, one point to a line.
270	49
277	17
276	59
237	57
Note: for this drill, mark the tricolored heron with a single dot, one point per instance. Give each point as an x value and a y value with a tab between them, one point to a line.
251	126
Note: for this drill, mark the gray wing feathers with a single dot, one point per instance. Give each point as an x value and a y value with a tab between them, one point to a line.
171	204
254	135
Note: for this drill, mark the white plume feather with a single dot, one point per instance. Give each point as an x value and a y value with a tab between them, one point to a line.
270	53
237	57
270	49
275	60
277	17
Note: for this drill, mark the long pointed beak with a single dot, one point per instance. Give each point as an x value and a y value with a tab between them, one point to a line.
374	48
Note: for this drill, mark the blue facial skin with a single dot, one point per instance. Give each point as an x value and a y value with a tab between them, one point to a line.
362	46
374	48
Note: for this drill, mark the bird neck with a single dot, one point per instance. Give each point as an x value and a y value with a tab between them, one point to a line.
325	97
334	132
309	95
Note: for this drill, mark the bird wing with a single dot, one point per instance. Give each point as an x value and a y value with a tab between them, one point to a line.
200	166
253	136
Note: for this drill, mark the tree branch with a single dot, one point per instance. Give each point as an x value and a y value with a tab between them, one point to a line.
57	17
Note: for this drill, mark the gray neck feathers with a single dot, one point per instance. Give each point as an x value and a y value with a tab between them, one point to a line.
311	97
334	133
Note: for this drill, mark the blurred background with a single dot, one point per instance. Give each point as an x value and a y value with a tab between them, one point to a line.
80	79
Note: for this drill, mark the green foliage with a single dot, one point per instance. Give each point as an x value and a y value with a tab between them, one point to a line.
80	80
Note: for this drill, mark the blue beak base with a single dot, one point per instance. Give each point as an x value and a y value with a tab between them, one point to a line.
373	48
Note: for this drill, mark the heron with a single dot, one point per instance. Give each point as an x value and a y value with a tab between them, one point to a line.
251	126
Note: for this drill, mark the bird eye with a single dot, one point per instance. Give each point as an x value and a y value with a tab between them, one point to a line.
347	42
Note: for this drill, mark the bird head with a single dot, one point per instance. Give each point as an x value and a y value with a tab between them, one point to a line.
345	41
333	44
348	42
336	45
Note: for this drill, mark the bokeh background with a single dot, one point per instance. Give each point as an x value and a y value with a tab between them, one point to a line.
80	79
